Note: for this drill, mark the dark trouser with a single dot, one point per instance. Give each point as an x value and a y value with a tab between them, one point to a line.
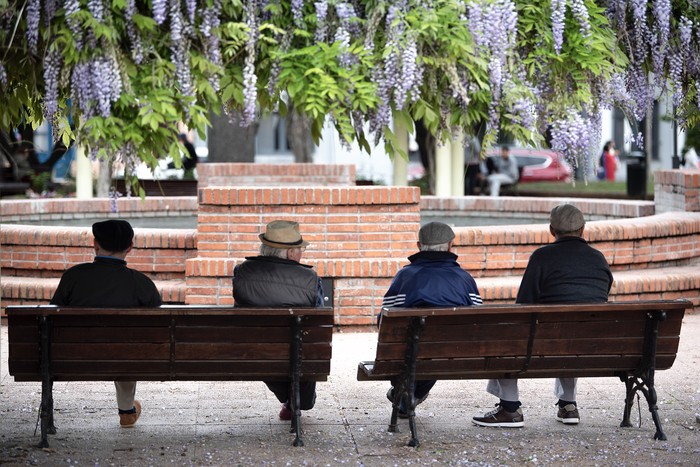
423	387
283	392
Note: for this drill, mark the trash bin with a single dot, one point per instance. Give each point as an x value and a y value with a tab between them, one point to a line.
637	174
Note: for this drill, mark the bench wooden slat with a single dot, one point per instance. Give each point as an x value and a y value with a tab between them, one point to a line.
248	350
244	334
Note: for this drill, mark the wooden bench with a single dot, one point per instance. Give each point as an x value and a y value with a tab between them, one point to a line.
625	340
170	343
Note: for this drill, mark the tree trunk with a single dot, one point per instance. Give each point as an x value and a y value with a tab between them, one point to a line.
299	135
229	142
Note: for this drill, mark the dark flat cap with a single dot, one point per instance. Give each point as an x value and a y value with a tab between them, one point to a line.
113	235
435	233
566	218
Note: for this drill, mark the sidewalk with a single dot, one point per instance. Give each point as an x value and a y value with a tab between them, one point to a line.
218	423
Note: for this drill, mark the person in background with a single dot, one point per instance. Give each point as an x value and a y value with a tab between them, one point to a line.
610	161
276	278
189	162
505	171
107	282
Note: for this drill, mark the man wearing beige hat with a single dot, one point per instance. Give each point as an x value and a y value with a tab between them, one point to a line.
566	271
276	278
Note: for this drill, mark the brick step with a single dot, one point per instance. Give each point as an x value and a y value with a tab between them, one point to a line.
645	284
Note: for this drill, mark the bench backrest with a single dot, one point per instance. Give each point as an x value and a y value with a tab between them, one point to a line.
168	343
505	341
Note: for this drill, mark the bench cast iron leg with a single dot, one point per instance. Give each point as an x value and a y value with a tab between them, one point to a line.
295	401
415	329
643	381
629	400
46	408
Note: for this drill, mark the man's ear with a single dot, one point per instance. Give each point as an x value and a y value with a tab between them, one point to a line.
551	230
128	250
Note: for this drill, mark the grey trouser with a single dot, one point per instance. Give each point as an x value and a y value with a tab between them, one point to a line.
126	390
507	389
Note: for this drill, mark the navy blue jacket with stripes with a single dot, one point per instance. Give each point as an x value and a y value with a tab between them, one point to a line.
434	278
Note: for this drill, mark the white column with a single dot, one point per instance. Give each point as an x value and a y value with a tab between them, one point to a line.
458	165
401	164
83	174
443	167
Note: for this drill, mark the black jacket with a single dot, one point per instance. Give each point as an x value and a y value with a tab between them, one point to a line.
566	271
106	282
275	282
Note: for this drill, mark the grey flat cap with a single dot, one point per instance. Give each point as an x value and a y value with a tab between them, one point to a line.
435	233
566	218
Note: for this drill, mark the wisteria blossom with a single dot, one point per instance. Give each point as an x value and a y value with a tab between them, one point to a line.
33	18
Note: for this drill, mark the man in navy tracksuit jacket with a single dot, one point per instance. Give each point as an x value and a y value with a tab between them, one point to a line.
433	278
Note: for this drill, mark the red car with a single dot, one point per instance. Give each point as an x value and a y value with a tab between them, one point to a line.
539	165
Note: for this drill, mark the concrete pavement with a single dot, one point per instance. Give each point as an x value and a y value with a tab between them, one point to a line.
219	423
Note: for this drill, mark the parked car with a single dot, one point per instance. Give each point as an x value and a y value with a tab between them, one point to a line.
538	165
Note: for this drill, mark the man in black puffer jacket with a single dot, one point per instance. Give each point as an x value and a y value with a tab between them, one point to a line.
276	278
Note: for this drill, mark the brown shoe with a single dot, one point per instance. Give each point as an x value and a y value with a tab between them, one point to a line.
568	415
500	417
127	420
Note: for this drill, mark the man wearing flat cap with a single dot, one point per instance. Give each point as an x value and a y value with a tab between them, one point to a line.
433	278
566	271
107	282
276	278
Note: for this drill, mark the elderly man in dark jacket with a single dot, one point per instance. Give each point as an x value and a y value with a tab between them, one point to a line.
276	278
566	271
107	282
433	278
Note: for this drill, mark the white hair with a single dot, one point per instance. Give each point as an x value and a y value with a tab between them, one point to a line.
438	247
267	250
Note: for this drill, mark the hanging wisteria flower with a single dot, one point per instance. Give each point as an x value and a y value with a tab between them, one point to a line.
33	18
250	79
50	7
160	8
114	196
641	29
675	76
321	26
180	51
571	136
52	67
662	14
558	17
580	12
409	58
134	35
210	22
71	7
191	9
345	13
297	14
3	75
96	9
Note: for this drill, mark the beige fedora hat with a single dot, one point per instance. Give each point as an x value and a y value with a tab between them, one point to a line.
283	234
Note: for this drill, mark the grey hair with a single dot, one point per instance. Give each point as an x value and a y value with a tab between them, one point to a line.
438	247
266	250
